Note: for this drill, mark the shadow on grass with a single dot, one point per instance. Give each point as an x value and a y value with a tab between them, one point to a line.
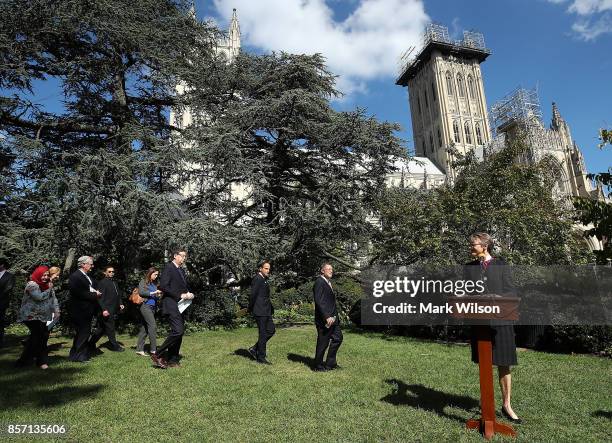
307	361
32	388
243	353
422	397
604	414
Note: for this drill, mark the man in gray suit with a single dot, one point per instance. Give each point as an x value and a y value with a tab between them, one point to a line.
7	283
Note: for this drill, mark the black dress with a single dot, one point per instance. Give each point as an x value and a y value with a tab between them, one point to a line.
498	280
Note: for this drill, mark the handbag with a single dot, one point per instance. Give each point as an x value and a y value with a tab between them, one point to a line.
135	297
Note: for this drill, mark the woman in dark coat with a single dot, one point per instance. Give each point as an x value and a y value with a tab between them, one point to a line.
497	280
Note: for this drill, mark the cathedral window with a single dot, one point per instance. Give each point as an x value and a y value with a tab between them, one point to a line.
433	92
468	133
426	99
471	87
478	134
439	138
449	83
419	104
456	132
460	86
431	142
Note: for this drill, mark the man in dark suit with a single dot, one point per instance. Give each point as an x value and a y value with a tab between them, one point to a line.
326	321
110	306
7	283
83	306
261	308
496	276
173	284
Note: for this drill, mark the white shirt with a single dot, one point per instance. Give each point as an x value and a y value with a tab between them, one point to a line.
91	289
2	273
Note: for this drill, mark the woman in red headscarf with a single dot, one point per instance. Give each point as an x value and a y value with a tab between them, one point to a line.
38	306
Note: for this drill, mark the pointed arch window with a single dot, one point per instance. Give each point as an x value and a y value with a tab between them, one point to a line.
471	87
425	97
431	141
439	138
468	133
460	86
478	134
419	104
424	147
433	92
456	132
449	83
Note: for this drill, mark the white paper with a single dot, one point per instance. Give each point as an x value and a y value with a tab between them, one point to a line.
183	304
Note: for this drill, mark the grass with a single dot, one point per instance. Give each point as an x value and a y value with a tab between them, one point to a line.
390	389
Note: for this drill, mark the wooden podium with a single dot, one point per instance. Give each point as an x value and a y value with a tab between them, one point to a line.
508	310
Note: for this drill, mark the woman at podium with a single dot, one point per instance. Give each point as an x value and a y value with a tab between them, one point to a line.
497	278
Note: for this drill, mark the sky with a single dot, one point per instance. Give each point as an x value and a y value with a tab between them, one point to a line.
562	47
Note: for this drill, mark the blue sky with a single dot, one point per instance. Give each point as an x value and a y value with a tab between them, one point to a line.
562	46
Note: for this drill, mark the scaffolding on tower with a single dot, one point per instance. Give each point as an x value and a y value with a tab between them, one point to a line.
519	109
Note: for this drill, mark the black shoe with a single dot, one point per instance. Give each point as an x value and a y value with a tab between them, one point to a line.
264	362
320	369
253	352
117	349
516	421
333	368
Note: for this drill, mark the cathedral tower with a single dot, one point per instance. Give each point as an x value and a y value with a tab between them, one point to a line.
446	95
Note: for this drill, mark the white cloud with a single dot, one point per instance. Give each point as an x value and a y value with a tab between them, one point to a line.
595	17
364	46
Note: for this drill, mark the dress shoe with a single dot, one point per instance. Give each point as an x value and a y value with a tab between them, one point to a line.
516	421
117	349
174	364
320	369
264	362
158	362
333	368
253	352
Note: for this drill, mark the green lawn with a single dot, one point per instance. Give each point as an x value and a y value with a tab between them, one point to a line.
390	389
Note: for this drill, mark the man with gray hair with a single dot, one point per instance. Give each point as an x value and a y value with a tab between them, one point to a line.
83	305
329	334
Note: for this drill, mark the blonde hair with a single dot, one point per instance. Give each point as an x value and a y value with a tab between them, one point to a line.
54	270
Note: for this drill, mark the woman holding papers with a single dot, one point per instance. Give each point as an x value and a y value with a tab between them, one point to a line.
147	289
38	306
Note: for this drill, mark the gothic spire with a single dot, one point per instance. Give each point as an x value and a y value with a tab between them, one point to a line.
234	33
557	120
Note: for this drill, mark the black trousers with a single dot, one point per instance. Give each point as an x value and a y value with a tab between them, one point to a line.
80	348
2	323
266	328
104	325
172	345
327	337
36	345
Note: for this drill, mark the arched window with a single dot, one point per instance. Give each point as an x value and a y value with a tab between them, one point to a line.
419	104
433	92
468	133
424	147
478	134
460	86
456	132
449	83
471	87
431	142
426	99
439	138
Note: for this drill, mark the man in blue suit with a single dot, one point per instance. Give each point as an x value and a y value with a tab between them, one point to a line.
173	284
261	308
